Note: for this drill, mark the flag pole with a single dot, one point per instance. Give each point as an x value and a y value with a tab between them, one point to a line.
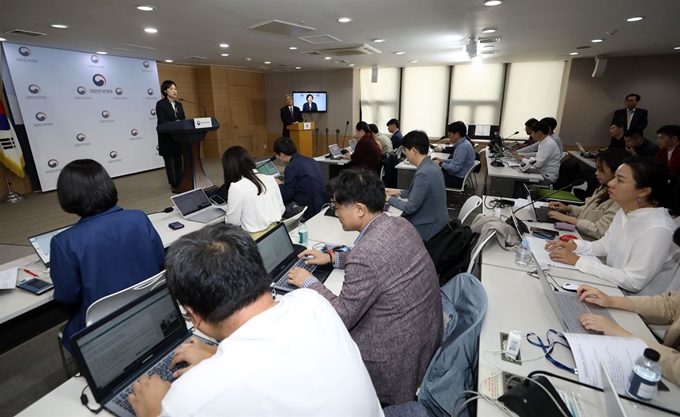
12	197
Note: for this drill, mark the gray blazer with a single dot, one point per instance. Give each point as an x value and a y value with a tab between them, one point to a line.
426	205
391	306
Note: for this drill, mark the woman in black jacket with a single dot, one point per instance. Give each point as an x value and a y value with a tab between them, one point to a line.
169	109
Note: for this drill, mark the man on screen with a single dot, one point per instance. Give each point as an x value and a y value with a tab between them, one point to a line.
309	106
289	115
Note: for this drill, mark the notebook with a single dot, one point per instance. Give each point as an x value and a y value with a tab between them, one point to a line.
352	144
336	153
567	306
585	153
138	338
268	168
540	213
280	256
195	206
41	244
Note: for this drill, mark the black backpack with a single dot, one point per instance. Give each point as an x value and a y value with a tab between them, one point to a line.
450	250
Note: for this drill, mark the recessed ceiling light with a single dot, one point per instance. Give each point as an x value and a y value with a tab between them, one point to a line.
573	53
487	47
413	61
292	48
677	47
597	40
267	62
101	53
60	26
493	2
400	53
378	40
298	67
489	30
634	19
345	19
150	30
168	60
2	39
224	54
224	45
146	8
456	38
327	58
351	65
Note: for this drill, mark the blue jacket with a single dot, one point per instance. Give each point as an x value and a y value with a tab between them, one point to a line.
461	161
101	255
397	137
303	179
426	205
454	366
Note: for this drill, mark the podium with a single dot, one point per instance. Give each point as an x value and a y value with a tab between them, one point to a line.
301	133
189	134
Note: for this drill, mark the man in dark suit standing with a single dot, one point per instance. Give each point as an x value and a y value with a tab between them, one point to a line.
633	117
289	115
310	106
389	302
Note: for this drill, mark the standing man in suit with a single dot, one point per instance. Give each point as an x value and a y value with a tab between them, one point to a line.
389	302
633	117
425	208
309	105
169	109
289	115
667	137
393	128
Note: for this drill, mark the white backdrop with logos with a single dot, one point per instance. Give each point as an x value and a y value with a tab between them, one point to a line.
78	105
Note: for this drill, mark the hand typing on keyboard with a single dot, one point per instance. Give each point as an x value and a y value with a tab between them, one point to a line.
562	251
190	354
147	395
300	273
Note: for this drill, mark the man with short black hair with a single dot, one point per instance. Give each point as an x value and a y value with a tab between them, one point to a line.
532	150
292	357
527	129
456	168
637	144
667	137
303	180
390	298
393	128
425	207
547	160
631	117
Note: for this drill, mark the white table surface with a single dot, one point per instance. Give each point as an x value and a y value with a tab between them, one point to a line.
588	161
406	165
505	172
517	302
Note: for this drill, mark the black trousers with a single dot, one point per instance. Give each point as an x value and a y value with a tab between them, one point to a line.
173	169
452	181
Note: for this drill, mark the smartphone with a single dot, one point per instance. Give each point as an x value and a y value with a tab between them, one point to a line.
216	199
36	286
175	225
546	232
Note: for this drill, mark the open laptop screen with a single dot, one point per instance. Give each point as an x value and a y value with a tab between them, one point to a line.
268	168
335	150
41	244
191	201
126	341
352	144
275	247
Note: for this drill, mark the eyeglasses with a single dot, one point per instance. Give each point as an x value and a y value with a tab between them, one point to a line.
550	346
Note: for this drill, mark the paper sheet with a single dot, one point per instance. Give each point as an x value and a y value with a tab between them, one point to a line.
8	279
617	353
537	247
483	130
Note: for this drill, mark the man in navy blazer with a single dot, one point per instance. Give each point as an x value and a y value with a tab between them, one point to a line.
631	116
289	115
397	137
426	205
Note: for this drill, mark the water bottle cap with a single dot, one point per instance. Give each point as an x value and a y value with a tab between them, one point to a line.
525	243
652	355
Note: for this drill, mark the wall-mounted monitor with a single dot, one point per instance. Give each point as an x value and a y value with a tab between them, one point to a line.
310	101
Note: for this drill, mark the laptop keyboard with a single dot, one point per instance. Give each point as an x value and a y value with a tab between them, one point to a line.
542	215
207	216
571	309
282	283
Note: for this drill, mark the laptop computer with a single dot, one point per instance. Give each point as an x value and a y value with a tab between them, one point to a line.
567	306
612	402
540	213
195	206
336	152
583	152
41	244
280	256
138	338
268	168
352	144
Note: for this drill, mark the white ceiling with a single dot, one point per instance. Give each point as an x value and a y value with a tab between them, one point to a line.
425	29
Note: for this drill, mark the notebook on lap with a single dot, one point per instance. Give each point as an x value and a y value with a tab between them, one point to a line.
268	168
195	206
279	256
137	339
41	244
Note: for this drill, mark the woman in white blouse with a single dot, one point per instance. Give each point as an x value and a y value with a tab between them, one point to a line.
640	256
594	217
253	200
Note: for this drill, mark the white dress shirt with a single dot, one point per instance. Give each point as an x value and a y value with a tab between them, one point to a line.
547	159
253	212
295	359
641	256
531	150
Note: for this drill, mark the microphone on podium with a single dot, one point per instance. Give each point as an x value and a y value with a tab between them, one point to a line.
205	112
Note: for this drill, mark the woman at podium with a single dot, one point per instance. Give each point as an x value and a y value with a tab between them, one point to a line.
169	109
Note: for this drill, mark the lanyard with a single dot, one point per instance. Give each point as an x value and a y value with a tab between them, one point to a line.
550	346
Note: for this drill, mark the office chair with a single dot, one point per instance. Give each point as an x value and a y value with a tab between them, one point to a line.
461	190
294	222
480	246
470	204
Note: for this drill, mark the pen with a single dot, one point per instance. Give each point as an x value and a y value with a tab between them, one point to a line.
31	273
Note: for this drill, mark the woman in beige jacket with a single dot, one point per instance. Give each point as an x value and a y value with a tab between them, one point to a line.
594	217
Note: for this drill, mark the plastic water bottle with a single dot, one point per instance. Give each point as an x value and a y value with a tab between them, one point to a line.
646	375
302	232
523	256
